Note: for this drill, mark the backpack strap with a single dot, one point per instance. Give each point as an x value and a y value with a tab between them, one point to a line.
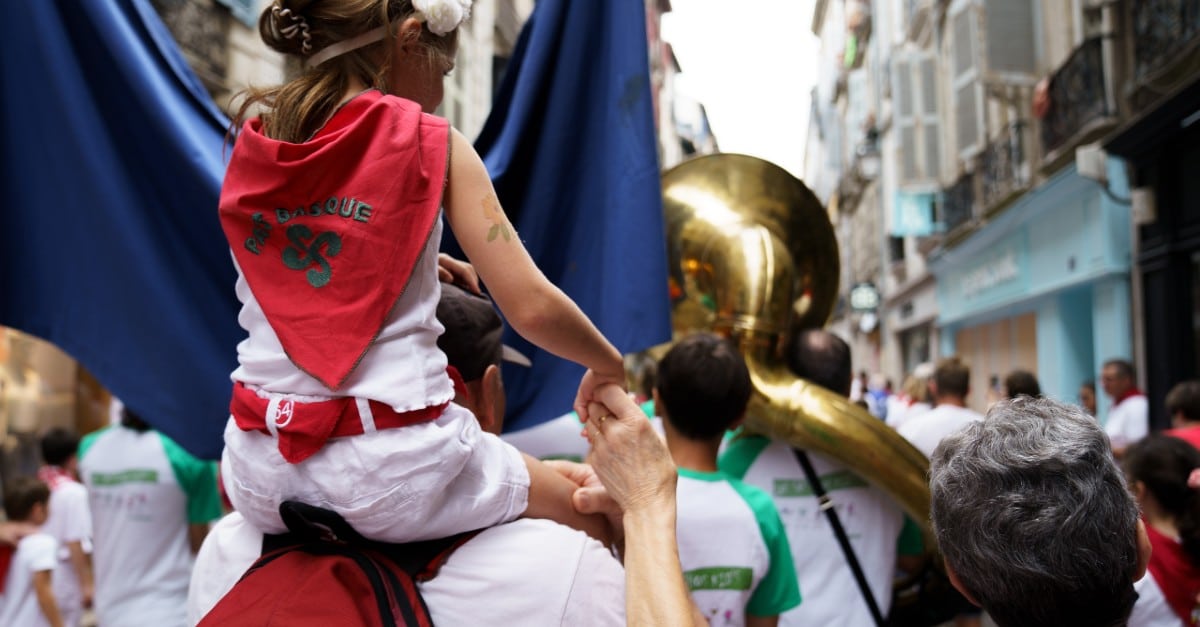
319	531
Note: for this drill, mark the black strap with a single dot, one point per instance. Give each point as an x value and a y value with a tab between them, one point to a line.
840	533
322	532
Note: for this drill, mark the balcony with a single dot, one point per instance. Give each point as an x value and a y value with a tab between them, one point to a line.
958	204
1162	29
1003	172
1079	108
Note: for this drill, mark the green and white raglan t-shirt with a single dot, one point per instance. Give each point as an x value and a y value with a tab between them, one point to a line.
144	491
733	549
873	522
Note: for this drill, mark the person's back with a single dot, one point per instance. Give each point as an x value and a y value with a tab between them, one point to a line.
69	523
949	387
145	493
27	599
333	202
732	546
872	520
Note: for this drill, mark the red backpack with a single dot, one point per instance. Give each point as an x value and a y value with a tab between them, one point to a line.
322	572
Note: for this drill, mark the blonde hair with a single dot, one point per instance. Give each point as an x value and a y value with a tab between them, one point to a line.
295	111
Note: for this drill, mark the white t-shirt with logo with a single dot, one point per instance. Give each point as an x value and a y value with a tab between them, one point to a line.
872	521
144	491
733	549
1128	421
526	572
927	430
69	520
19	605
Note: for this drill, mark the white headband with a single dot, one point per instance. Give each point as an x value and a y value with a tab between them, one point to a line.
439	16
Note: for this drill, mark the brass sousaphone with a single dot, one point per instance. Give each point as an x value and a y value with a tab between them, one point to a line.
752	256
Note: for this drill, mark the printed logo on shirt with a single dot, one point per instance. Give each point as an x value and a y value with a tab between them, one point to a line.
719	578
127	476
840	480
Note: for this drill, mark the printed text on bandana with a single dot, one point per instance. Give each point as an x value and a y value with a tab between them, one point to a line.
307	249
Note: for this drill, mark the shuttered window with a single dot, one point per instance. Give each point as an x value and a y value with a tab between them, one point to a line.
915	117
966	87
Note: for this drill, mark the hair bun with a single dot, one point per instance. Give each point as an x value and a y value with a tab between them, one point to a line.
285	30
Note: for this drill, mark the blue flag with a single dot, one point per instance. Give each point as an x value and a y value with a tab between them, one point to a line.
571	148
110	246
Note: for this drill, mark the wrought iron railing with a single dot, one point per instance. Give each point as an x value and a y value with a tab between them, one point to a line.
1161	29
1002	166
958	203
1078	97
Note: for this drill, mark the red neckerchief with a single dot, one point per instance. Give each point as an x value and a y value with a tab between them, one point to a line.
1175	575
327	232
1130	393
54	476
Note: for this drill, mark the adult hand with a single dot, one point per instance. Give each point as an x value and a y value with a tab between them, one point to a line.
630	459
591	497
460	273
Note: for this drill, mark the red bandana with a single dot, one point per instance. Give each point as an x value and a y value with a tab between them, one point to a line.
327	232
1175	575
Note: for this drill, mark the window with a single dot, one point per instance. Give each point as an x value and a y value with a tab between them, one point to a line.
915	116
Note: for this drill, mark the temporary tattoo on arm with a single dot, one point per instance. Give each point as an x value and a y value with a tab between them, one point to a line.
493	214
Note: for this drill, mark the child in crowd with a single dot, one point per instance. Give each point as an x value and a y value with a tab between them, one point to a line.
69	523
1158	468
332	205
732	545
28	599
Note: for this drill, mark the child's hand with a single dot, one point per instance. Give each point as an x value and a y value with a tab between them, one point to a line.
587	387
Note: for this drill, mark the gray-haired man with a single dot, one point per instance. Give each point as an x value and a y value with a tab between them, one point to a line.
1034	517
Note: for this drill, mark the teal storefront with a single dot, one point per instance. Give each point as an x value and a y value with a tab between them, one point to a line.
1043	287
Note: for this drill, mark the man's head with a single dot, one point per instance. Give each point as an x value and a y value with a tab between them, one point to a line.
1183	403
472	346
703	387
822	358
27	499
59	447
951	382
1021	383
1034	517
1117	378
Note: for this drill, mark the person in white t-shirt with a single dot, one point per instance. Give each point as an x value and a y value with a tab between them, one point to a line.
69	523
732	545
877	527
152	503
1129	417
949	387
28	600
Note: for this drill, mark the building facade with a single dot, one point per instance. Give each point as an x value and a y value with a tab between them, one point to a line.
973	194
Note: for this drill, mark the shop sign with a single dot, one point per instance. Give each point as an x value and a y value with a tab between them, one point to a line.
993	274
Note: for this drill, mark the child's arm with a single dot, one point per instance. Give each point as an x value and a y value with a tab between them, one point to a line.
82	564
535	308
45	598
550	497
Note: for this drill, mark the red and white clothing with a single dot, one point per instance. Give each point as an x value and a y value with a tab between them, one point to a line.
335	242
1167	594
1128	420
69	520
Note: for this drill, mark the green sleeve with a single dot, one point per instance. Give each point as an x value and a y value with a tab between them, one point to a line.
779	590
740	454
88	440
910	542
198	478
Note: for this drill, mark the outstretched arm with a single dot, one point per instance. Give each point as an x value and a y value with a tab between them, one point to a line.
534	306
